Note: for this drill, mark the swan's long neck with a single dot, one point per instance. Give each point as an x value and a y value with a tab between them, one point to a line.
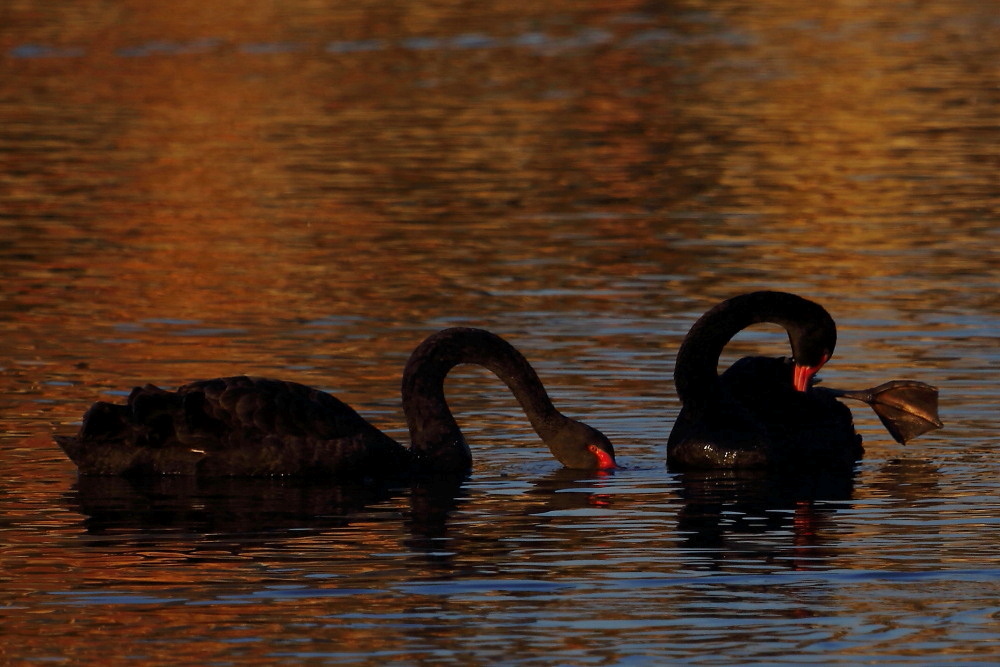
435	437
696	369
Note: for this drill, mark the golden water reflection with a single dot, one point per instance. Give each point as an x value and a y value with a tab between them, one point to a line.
306	191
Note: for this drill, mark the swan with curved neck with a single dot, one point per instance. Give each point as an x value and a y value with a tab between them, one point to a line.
761	411
256	426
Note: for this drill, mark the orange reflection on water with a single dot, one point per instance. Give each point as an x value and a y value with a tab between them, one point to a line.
182	203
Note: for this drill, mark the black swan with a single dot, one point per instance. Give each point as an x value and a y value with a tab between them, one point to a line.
244	426
762	411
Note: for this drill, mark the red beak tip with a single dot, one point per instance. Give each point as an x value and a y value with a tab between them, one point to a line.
605	461
803	375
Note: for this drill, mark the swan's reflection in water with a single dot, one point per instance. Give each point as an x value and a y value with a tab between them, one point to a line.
190	514
238	513
723	510
904	481
448	518
449	525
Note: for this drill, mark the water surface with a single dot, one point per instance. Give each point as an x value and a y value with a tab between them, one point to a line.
305	192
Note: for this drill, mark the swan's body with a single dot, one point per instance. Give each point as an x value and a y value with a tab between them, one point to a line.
761	411
255	426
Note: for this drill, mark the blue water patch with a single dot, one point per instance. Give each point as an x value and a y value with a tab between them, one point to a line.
538	41
357	46
157	48
472	41
112	597
270	47
482	586
42	51
421	43
531	39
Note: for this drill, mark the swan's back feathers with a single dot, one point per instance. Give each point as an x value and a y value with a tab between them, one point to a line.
803	428
759	419
232	426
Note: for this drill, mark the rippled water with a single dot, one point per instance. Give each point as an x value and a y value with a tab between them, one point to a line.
305	192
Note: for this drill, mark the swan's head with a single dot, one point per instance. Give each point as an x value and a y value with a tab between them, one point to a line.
582	447
813	340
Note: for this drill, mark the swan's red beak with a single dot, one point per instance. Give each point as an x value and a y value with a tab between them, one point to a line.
803	375
605	461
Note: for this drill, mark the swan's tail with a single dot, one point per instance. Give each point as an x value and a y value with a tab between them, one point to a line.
71	445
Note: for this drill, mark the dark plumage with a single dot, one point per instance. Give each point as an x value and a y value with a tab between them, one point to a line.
761	411
255	426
